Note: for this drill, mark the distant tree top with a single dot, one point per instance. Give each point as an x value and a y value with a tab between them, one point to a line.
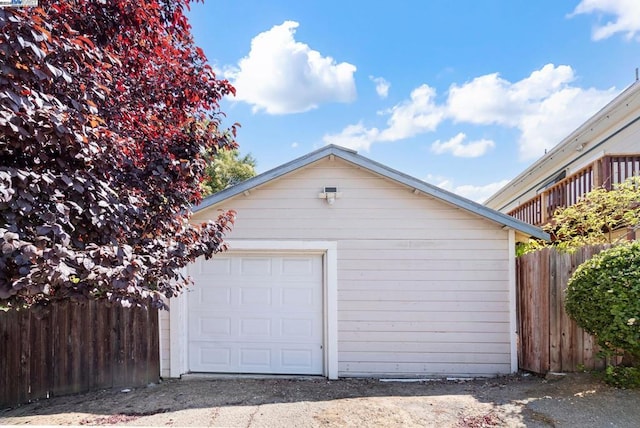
227	169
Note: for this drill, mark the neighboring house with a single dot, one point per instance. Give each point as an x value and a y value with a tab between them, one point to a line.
603	151
341	266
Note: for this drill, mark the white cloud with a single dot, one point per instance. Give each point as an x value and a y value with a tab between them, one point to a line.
356	137
294	145
558	115
415	116
480	101
479	193
281	75
490	99
457	147
382	86
438	180
544	107
626	13
474	192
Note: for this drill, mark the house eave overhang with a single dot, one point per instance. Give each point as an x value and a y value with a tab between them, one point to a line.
554	155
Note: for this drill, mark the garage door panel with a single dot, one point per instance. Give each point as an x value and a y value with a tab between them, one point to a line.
250	357
248	295
252	327
294	267
255	359
217	266
215	326
214	296
297	358
211	327
297	296
219	327
255	266
264	317
296	327
255	296
213	356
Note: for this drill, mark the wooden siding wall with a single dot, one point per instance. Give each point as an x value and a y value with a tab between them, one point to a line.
548	339
423	287
76	348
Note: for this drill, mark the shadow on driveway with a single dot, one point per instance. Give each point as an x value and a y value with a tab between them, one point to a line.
571	400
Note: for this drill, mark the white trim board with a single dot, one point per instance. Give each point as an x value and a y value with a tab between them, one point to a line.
179	306
513	321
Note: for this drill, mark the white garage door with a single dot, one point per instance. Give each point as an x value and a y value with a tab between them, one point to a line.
256	314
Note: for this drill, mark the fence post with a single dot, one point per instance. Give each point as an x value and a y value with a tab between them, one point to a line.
606	172
555	314
544	207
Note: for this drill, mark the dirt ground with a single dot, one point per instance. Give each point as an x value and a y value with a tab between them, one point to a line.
574	400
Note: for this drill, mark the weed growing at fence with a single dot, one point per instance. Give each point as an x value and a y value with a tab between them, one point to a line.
622	377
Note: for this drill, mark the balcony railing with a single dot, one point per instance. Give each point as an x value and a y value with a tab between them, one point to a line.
603	172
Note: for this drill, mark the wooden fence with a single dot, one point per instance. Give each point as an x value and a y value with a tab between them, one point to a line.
548	339
76	347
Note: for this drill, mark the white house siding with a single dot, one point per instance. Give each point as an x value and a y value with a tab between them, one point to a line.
422	286
163	321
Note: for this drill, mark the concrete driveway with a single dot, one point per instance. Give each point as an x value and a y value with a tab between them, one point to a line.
576	400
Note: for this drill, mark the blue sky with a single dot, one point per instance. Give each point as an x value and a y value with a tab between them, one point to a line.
461	94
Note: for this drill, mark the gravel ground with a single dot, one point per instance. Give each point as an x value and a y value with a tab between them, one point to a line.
574	400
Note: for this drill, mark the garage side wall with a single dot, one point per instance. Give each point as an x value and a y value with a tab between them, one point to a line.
423	287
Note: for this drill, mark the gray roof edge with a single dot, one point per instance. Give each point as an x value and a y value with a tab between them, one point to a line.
359	160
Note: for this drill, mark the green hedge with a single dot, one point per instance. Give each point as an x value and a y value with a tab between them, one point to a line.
603	296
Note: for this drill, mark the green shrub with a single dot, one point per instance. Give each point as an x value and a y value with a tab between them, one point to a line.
603	296
622	377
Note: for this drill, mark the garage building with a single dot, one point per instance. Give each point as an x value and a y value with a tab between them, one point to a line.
340	266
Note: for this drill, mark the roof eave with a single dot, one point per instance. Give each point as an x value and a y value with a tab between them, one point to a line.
614	104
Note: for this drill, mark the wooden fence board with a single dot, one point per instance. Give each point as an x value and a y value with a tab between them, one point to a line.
104	376
11	358
556	309
567	325
117	349
4	339
534	317
60	320
25	340
153	354
76	347
85	351
37	358
15	352
549	339
542	310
